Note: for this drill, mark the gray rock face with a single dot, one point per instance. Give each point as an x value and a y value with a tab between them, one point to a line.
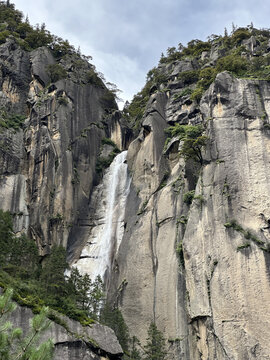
183	65
48	170
216	53
14	77
250	44
74	341
217	304
147	284
14	85
227	282
64	140
40	59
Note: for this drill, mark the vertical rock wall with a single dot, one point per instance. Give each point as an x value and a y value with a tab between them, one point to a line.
148	284
215	307
48	167
227	272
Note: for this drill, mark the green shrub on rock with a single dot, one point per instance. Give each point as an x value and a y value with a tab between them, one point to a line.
234	63
189	77
56	72
10	120
192	139
188	197
94	79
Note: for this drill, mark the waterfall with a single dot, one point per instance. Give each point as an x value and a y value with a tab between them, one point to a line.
109	202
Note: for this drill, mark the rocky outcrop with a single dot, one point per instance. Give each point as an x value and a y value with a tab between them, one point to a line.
15	77
73	341
48	169
40	60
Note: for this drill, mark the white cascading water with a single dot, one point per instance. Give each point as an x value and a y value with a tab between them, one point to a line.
109	201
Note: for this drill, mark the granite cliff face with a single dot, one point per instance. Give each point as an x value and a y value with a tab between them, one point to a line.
214	306
199	265
48	168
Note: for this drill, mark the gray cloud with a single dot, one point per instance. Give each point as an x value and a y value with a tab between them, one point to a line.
126	37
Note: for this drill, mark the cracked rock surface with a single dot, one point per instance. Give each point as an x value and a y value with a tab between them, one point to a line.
218	303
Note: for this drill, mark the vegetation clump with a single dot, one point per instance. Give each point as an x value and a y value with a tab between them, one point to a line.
108	100
243	246
185	92
234	56
62	100
12	23
134	112
180	253
246	233
14	26
56	72
155	348
189	77
34	286
188	197
93	78
104	162
113	318
192	139
10	120
76	296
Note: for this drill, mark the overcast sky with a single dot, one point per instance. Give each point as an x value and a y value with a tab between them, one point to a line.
126	37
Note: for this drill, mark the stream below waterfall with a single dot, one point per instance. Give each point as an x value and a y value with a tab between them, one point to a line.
109	201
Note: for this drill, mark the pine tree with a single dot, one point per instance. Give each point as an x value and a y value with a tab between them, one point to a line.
234	28
134	352
171	51
24	254
6	236
96	298
114	319
88	295
161	57
13	343
53	272
80	287
155	348
180	47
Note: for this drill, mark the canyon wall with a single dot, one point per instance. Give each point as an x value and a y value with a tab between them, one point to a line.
198	267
